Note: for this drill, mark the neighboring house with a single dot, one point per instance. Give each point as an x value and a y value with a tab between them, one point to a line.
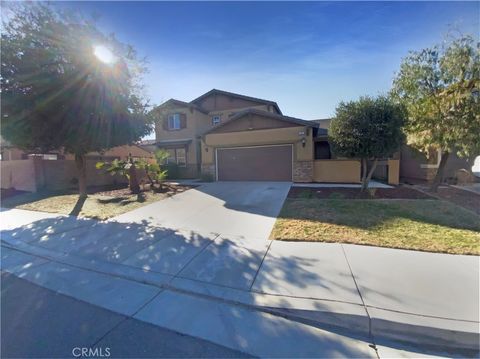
416	166
228	136
148	145
11	153
57	171
119	152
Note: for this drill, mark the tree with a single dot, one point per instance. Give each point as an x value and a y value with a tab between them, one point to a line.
126	168
65	85
368	129
439	88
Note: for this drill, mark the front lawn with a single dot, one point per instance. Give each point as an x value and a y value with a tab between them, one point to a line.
419	224
99	205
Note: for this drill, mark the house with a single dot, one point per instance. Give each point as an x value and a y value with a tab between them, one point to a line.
417	167
228	137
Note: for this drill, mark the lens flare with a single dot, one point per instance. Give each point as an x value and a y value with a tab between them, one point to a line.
104	54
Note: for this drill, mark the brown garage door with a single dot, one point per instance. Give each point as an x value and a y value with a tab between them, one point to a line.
261	163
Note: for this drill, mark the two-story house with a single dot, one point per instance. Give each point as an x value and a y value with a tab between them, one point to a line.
235	137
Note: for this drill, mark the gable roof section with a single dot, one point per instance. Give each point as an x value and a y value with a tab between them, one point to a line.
252	111
179	103
243	97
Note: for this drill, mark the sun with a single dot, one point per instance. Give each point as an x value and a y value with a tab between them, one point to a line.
104	54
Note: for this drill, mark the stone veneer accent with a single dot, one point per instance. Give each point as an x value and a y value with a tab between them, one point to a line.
209	170
303	171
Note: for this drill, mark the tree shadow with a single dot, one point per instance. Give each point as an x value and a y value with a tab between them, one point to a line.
112	200
78	206
228	263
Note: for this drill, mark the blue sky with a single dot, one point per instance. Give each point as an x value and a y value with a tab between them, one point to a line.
307	56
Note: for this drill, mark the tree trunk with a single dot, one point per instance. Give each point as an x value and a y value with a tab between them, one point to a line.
81	163
364	172
133	180
369	176
439	175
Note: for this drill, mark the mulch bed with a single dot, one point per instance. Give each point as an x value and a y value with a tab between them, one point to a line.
166	188
399	192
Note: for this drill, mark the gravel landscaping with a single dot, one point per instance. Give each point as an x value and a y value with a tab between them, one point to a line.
102	202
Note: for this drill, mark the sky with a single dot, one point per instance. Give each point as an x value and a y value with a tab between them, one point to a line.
306	56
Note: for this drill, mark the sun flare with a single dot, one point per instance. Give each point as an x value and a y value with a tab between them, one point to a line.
104	54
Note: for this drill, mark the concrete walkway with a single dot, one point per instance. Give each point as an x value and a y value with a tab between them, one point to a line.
172	245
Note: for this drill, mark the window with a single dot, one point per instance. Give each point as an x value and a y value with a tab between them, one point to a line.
322	150
215	120
174	121
181	157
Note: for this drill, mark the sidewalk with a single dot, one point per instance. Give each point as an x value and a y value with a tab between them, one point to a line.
377	294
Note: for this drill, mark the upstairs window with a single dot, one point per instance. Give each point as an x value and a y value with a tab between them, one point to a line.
174	121
216	120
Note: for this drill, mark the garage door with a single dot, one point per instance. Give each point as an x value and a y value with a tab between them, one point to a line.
260	163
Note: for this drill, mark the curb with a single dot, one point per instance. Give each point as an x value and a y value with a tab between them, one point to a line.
345	318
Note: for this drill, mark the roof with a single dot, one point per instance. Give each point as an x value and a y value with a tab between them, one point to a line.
320	120
226	93
185	141
147	142
179	103
322	131
252	111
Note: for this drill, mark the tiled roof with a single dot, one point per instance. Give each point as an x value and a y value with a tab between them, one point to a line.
266	114
226	93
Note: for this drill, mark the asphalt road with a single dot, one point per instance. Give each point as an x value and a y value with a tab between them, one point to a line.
39	323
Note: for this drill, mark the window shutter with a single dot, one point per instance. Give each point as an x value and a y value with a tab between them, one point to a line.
165	123
183	120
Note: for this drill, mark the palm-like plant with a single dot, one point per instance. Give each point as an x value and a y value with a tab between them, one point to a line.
126	168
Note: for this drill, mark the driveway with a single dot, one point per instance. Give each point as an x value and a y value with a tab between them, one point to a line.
242	209
216	233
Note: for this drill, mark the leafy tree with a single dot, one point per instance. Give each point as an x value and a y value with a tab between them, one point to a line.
65	85
439	87
368	129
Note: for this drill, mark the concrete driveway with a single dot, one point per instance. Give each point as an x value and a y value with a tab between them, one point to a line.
244	209
215	233
220	231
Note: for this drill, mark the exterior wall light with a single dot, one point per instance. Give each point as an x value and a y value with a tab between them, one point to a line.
303	142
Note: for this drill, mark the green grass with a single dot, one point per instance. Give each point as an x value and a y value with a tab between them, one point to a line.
427	225
95	206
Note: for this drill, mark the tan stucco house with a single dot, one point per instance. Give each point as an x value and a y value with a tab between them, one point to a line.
228	136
